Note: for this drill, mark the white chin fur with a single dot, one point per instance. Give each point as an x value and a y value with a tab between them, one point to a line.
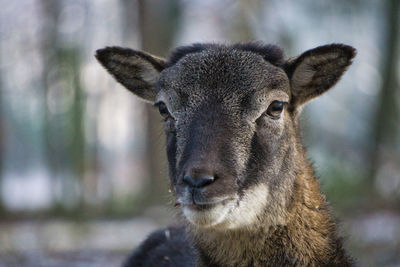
210	217
232	214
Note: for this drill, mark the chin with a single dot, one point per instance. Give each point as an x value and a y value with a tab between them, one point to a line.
207	216
232	213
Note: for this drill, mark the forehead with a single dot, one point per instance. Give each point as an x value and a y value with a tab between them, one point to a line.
221	73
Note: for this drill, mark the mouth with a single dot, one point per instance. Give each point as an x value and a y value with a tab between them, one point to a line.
210	213
202	206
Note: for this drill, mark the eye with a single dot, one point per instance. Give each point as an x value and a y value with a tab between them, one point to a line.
162	108
275	109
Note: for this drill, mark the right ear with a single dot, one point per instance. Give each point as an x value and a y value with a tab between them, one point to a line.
137	71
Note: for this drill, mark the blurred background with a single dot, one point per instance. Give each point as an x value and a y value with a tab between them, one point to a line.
82	168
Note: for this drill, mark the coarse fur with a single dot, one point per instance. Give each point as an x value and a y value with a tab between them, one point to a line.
168	247
243	185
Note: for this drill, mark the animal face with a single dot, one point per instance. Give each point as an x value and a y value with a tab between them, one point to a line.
230	117
218	111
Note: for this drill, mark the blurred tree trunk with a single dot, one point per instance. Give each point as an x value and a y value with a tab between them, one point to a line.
70	59
385	128
50	11
158	21
241	29
63	129
2	146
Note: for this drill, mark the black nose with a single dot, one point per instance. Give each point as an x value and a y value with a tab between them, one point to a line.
199	182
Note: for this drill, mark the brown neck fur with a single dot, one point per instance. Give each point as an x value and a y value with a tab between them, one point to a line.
309	237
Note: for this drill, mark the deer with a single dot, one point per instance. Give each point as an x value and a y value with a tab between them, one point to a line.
245	192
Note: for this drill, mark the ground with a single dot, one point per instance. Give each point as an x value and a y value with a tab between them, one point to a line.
373	238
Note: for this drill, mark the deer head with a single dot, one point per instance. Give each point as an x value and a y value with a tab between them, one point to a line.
230	115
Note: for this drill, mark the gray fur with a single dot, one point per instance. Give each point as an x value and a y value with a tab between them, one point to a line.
263	198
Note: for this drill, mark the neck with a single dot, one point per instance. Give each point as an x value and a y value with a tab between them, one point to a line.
307	236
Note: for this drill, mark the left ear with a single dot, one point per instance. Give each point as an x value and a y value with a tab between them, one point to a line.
138	71
317	70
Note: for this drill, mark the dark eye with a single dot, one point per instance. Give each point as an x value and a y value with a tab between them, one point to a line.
162	108
275	109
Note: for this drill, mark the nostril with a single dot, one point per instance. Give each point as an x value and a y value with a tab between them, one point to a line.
200	182
206	180
189	181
